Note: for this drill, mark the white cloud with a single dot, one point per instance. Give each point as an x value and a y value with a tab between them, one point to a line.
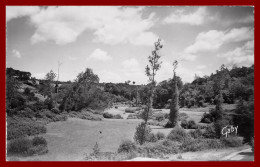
213	39
188	57
100	55
111	25
20	11
16	53
241	55
179	16
72	58
200	67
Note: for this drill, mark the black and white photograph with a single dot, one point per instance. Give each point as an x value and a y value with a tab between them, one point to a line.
130	83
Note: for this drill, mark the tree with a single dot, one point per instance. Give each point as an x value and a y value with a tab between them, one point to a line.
244	119
12	86
174	107
84	93
50	76
150	70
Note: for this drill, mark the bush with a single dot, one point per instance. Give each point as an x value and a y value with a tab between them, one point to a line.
157	150
27	112
19	146
132	109
118	116
126	146
39	141
196	133
19	128
192	124
86	115
49	103
131	116
206	118
107	115
232	141
178	134
160	135
55	110
201	144
39	150
152	138
159	117
184	124
210	132
24	146
142	133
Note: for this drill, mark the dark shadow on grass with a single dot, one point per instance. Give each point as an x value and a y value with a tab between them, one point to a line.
159	128
247	153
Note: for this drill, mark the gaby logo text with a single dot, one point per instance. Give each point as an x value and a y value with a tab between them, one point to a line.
229	129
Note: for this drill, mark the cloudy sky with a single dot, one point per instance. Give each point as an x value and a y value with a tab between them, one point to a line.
116	41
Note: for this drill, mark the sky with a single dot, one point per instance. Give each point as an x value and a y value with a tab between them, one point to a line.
115	41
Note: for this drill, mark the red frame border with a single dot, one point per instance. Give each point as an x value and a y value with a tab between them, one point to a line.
5	3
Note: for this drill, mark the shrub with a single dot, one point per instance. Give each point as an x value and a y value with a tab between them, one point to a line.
131	116
232	141
206	118
142	133
18	128
156	123
107	115
55	110
159	117
86	115
166	115
19	146
201	144
39	150
155	150
126	146
209	132
178	134
160	135
184	124
118	116
196	133
152	138
49	103
27	112
192	124
132	109
39	141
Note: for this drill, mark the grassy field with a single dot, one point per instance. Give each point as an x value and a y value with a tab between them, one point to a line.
70	140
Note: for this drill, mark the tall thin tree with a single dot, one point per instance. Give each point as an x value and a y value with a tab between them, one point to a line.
174	106
150	70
